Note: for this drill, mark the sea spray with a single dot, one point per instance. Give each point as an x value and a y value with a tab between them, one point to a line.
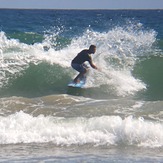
118	51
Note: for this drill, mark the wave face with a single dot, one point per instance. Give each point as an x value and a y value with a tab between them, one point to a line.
43	68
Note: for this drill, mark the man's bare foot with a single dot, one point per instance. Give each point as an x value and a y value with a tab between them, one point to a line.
76	81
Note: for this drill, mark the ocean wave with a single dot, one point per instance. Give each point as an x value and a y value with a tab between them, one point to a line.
33	67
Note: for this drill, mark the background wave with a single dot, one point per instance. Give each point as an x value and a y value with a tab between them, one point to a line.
98	131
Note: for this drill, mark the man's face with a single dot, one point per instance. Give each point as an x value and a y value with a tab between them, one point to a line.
93	50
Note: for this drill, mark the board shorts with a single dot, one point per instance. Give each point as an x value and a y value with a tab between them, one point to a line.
79	67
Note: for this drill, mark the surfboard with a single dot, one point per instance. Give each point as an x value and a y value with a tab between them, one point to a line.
78	85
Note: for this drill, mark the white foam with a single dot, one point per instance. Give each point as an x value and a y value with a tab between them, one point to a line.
106	130
124	83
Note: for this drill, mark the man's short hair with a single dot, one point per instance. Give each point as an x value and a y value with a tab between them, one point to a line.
92	47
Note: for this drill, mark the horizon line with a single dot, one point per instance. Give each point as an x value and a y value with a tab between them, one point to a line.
3	8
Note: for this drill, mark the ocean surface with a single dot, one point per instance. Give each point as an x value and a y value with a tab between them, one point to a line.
118	115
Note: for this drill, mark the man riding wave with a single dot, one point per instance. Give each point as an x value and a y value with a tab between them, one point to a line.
79	65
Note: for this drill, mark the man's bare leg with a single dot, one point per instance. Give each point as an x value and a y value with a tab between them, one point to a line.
77	79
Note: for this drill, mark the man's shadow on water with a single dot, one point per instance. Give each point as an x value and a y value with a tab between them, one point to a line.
76	91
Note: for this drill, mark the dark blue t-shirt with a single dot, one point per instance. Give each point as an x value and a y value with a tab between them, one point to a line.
83	56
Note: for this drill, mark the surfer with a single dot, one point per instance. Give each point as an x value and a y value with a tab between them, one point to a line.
79	65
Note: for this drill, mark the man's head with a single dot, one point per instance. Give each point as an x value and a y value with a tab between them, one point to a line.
92	49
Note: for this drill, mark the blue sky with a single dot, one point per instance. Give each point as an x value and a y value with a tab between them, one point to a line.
83	4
